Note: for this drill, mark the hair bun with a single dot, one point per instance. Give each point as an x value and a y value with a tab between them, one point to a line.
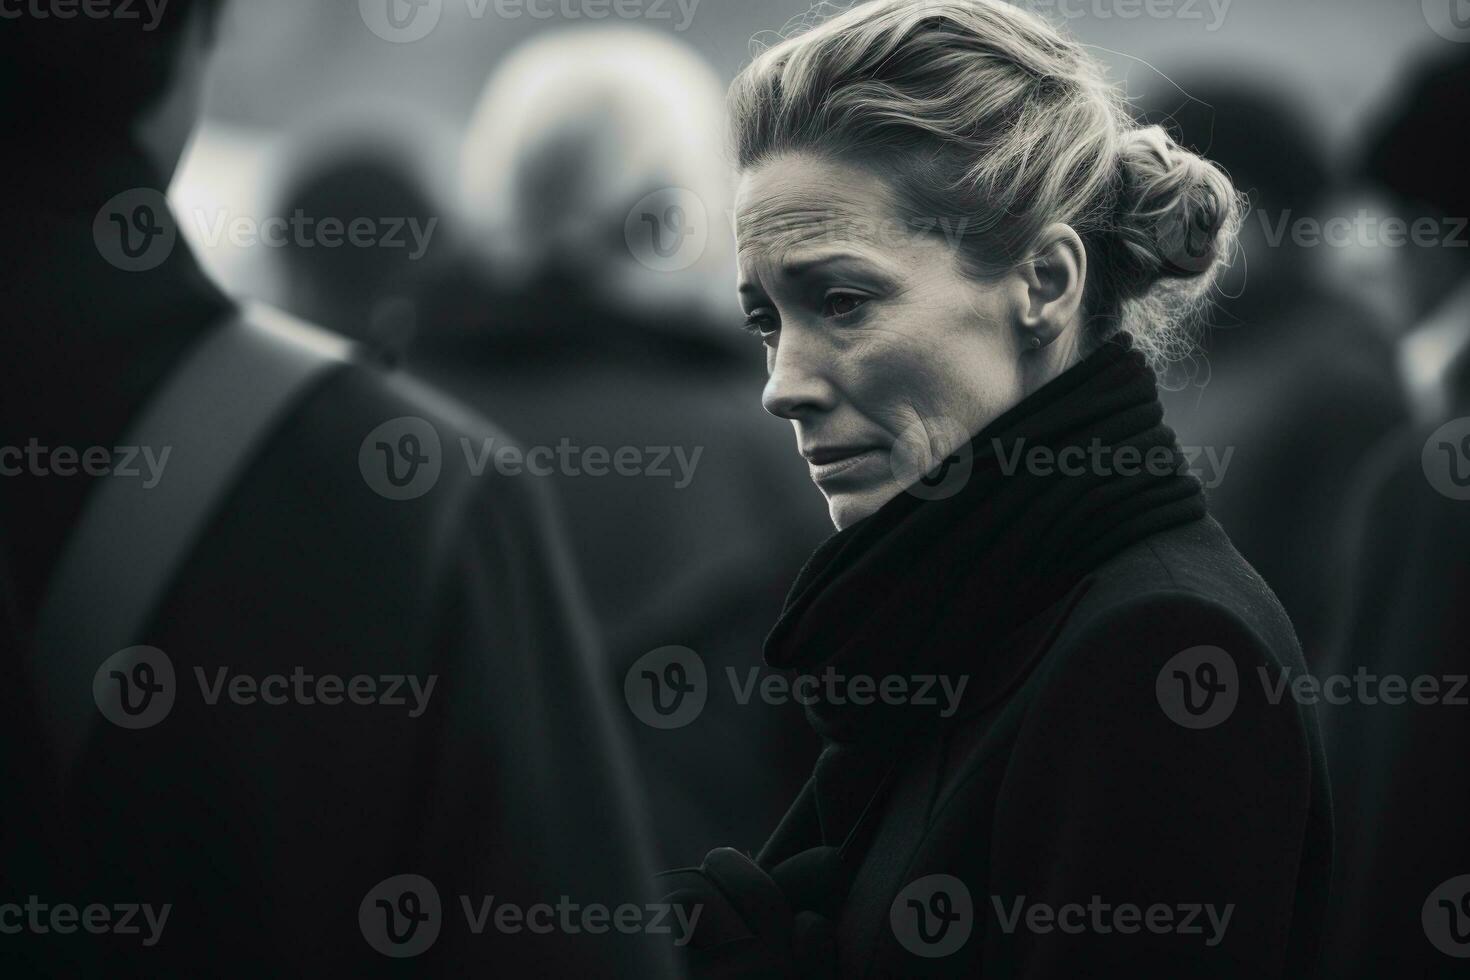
1177	212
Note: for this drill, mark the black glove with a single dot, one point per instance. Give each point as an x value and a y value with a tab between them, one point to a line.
748	926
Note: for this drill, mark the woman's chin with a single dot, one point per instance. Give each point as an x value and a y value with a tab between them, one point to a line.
848	506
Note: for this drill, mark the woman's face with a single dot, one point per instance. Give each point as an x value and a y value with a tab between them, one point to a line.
882	352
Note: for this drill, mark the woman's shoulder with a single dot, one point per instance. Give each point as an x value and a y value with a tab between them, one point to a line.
1176	634
1175	653
1186	585
1157	753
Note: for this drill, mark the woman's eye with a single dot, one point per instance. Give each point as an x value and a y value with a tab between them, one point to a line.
842	304
761	323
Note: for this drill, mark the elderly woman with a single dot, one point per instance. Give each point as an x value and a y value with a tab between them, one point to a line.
1057	742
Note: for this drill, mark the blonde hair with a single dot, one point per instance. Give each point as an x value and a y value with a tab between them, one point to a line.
978	109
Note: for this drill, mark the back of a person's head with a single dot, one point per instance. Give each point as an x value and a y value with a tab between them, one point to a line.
80	78
1404	152
573	130
351	287
1258	135
1404	169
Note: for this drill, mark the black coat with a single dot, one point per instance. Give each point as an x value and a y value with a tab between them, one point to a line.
1084	783
1401	774
265	826
1065	779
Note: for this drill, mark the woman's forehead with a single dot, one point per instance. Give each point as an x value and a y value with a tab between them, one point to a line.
799	201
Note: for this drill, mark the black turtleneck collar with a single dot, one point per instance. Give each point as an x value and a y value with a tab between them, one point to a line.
1058	484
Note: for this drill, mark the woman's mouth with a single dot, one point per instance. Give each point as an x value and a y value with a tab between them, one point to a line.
828	464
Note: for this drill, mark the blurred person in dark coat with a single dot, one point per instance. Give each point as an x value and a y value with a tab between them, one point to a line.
590	153
267	826
1400	771
364	292
1295	383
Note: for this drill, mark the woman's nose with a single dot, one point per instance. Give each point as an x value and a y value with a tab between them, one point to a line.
797	385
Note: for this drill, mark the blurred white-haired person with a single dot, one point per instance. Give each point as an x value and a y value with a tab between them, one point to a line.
600	150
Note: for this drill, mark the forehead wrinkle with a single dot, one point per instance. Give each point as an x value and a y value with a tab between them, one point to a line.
785	221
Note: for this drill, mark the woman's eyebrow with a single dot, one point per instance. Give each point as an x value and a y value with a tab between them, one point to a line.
803	265
799	266
750	289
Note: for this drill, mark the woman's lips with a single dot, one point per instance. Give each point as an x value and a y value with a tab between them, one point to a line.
830	468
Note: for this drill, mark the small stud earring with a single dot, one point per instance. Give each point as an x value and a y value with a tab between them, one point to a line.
1035	342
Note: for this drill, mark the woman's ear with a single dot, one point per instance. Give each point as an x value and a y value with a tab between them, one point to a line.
1054	278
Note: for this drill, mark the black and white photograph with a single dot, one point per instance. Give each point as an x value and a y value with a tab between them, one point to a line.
735	489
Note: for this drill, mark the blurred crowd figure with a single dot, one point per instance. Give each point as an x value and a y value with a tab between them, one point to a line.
541	306
366	294
544	303
1295	383
1401	772
278	830
1325	368
562	324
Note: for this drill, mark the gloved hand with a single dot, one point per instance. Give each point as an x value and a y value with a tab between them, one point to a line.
747	926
